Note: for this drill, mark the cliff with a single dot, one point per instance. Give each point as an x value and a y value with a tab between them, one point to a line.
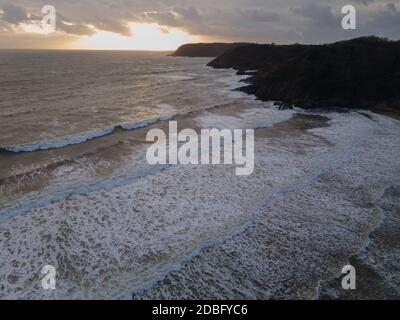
204	49
362	72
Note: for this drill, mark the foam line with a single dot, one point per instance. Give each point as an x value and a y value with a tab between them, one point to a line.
81	137
103	184
335	164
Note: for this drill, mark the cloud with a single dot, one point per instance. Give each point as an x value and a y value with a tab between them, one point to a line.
175	17
319	14
392	8
259	15
112	25
188	13
385	22
12	13
280	21
75	29
365	2
166	18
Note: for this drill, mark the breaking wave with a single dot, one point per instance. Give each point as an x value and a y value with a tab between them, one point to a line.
81	137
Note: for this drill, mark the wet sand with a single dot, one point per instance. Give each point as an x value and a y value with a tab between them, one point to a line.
393	112
303	235
200	232
377	266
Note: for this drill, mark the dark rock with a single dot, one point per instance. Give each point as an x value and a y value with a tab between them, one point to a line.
204	49
241	72
362	72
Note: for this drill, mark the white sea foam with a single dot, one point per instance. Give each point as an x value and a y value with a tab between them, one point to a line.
302	234
125	235
82	137
145	123
248	119
104	94
59	142
179	77
208	233
229	82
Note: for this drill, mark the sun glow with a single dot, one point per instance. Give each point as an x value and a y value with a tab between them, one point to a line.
145	36
31	28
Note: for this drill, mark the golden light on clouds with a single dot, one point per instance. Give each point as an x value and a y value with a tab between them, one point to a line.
31	28
145	36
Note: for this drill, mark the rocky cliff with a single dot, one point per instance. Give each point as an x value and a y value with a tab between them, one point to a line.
362	72
204	49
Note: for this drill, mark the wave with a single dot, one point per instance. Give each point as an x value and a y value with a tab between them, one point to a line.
81	137
297	186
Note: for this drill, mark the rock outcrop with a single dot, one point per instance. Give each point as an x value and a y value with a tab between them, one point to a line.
362	72
204	49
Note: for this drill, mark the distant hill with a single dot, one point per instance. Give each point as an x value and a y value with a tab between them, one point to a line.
362	72
204	49
257	56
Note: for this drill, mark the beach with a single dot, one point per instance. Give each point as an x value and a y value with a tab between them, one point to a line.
83	198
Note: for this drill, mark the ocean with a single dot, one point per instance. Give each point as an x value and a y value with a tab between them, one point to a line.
52	99
77	193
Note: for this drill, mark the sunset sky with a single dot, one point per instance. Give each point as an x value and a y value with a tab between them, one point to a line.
166	24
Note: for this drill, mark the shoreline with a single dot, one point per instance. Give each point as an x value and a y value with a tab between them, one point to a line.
391	112
168	287
375	282
293	139
308	75
271	235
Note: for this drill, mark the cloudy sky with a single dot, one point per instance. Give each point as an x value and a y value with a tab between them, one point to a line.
165	24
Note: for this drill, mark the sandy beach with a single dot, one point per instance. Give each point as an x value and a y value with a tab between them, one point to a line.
317	199
79	194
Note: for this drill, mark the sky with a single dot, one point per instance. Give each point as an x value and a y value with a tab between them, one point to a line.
167	24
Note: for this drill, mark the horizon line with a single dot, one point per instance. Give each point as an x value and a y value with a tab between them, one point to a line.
67	49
